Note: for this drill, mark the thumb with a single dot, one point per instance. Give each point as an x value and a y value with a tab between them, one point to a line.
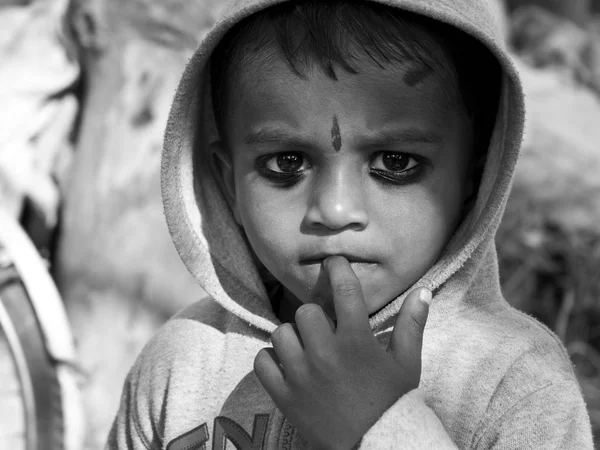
407	336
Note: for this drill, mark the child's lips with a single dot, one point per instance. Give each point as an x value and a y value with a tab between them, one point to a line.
353	263
359	265
362	265
354	260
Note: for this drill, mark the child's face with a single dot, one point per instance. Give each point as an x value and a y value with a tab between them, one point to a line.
366	167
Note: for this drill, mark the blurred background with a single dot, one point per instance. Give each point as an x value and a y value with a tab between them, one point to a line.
85	88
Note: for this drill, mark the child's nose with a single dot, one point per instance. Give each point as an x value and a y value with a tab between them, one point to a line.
337	202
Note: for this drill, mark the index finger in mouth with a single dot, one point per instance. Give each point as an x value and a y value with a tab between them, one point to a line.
348	299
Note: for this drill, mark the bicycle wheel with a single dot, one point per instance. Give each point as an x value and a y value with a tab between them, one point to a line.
12	418
39	400
39	389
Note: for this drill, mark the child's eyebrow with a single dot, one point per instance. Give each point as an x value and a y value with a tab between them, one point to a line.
405	136
413	135
266	135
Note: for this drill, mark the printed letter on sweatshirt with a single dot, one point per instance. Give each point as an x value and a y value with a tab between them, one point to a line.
192	440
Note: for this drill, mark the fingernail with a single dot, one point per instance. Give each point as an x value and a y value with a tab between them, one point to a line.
425	296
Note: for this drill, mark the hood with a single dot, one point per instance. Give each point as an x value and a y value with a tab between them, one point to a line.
215	250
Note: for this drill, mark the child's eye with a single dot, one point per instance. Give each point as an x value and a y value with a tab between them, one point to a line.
394	162
396	167
286	163
282	168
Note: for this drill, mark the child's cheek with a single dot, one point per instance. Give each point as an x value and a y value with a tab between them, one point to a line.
271	225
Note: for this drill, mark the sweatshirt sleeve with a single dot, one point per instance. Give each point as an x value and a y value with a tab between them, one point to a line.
554	416
408	424
126	431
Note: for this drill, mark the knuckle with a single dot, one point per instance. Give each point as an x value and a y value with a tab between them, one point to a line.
347	288
279	332
417	322
307	311
325	357
322	361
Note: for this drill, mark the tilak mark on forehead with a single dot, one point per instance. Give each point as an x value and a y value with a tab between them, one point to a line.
336	138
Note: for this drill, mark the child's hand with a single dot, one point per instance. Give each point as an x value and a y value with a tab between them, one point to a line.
334	384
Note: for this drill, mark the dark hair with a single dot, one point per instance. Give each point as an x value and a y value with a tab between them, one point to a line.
332	34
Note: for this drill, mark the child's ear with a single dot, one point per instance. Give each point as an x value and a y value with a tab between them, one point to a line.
225	176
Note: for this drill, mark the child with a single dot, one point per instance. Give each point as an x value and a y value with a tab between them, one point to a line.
347	160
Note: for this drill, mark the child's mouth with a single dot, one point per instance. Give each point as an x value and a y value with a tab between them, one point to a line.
359	265
354	260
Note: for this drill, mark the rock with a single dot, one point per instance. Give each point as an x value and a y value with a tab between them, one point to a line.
116	266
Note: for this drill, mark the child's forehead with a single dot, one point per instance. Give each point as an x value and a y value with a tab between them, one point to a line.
257	56
360	38
277	105
269	80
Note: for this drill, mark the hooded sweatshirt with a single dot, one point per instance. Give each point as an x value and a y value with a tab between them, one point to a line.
492	377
